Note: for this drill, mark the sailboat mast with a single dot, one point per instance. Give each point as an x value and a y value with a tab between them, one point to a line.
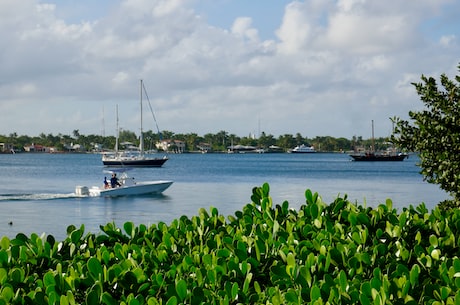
118	135
373	139
141	138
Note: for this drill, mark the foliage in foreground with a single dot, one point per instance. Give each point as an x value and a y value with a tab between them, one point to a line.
435	133
339	253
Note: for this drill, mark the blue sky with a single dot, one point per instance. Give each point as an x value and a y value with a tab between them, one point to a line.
266	15
319	67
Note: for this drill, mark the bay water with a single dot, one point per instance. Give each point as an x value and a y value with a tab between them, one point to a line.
37	190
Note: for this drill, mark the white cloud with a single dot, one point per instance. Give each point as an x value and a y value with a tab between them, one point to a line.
295	29
330	67
243	28
448	40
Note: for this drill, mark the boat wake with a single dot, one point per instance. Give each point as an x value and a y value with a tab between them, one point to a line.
25	197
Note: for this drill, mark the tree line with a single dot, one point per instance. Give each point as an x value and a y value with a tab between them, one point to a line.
219	141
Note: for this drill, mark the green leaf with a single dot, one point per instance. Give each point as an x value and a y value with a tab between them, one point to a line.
339	204
75	236
414	273
3	276
5	243
7	293
95	268
418	237
48	279
314	210
315	293
433	240
457	264
172	301
435	254
181	289
129	228
343	281
235	290
92	297
247	282
364	300
389	204
17	275
309	196
445	292
366	288
266	189
291	296
70	298
63	300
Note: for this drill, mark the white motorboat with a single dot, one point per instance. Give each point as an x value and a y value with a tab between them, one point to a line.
303	149
127	186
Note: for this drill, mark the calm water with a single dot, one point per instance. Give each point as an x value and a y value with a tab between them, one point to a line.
36	190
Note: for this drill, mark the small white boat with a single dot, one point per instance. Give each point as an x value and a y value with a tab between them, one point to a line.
127	187
303	149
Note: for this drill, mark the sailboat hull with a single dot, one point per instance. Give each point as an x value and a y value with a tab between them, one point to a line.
378	157
374	156
147	162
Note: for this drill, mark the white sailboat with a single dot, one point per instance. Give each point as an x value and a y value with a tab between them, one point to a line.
133	158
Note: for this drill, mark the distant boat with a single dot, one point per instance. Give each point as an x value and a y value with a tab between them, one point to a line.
372	155
369	156
127	187
131	158
303	149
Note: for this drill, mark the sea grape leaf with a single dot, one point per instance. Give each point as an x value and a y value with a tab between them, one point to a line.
48	279
5	243
433	240
315	293
92	297
247	282
75	236
266	189
181	289
108	299
63	300
94	267
414	273
343	280
364	299
291	296
172	300
7	293
235	290
309	196
129	228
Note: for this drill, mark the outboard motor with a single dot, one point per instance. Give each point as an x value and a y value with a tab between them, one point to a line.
81	190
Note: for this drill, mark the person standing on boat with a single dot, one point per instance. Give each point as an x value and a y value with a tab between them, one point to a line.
114	181
106	183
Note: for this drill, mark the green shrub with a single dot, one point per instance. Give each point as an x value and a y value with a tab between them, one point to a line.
337	253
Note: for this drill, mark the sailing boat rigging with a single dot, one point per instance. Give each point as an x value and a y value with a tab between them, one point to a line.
372	155
134	159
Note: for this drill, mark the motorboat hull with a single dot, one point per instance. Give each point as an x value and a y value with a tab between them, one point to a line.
139	188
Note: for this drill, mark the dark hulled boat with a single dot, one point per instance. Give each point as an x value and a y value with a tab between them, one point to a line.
379	157
389	155
119	161
132	159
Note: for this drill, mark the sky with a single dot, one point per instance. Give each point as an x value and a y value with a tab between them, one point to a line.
314	67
